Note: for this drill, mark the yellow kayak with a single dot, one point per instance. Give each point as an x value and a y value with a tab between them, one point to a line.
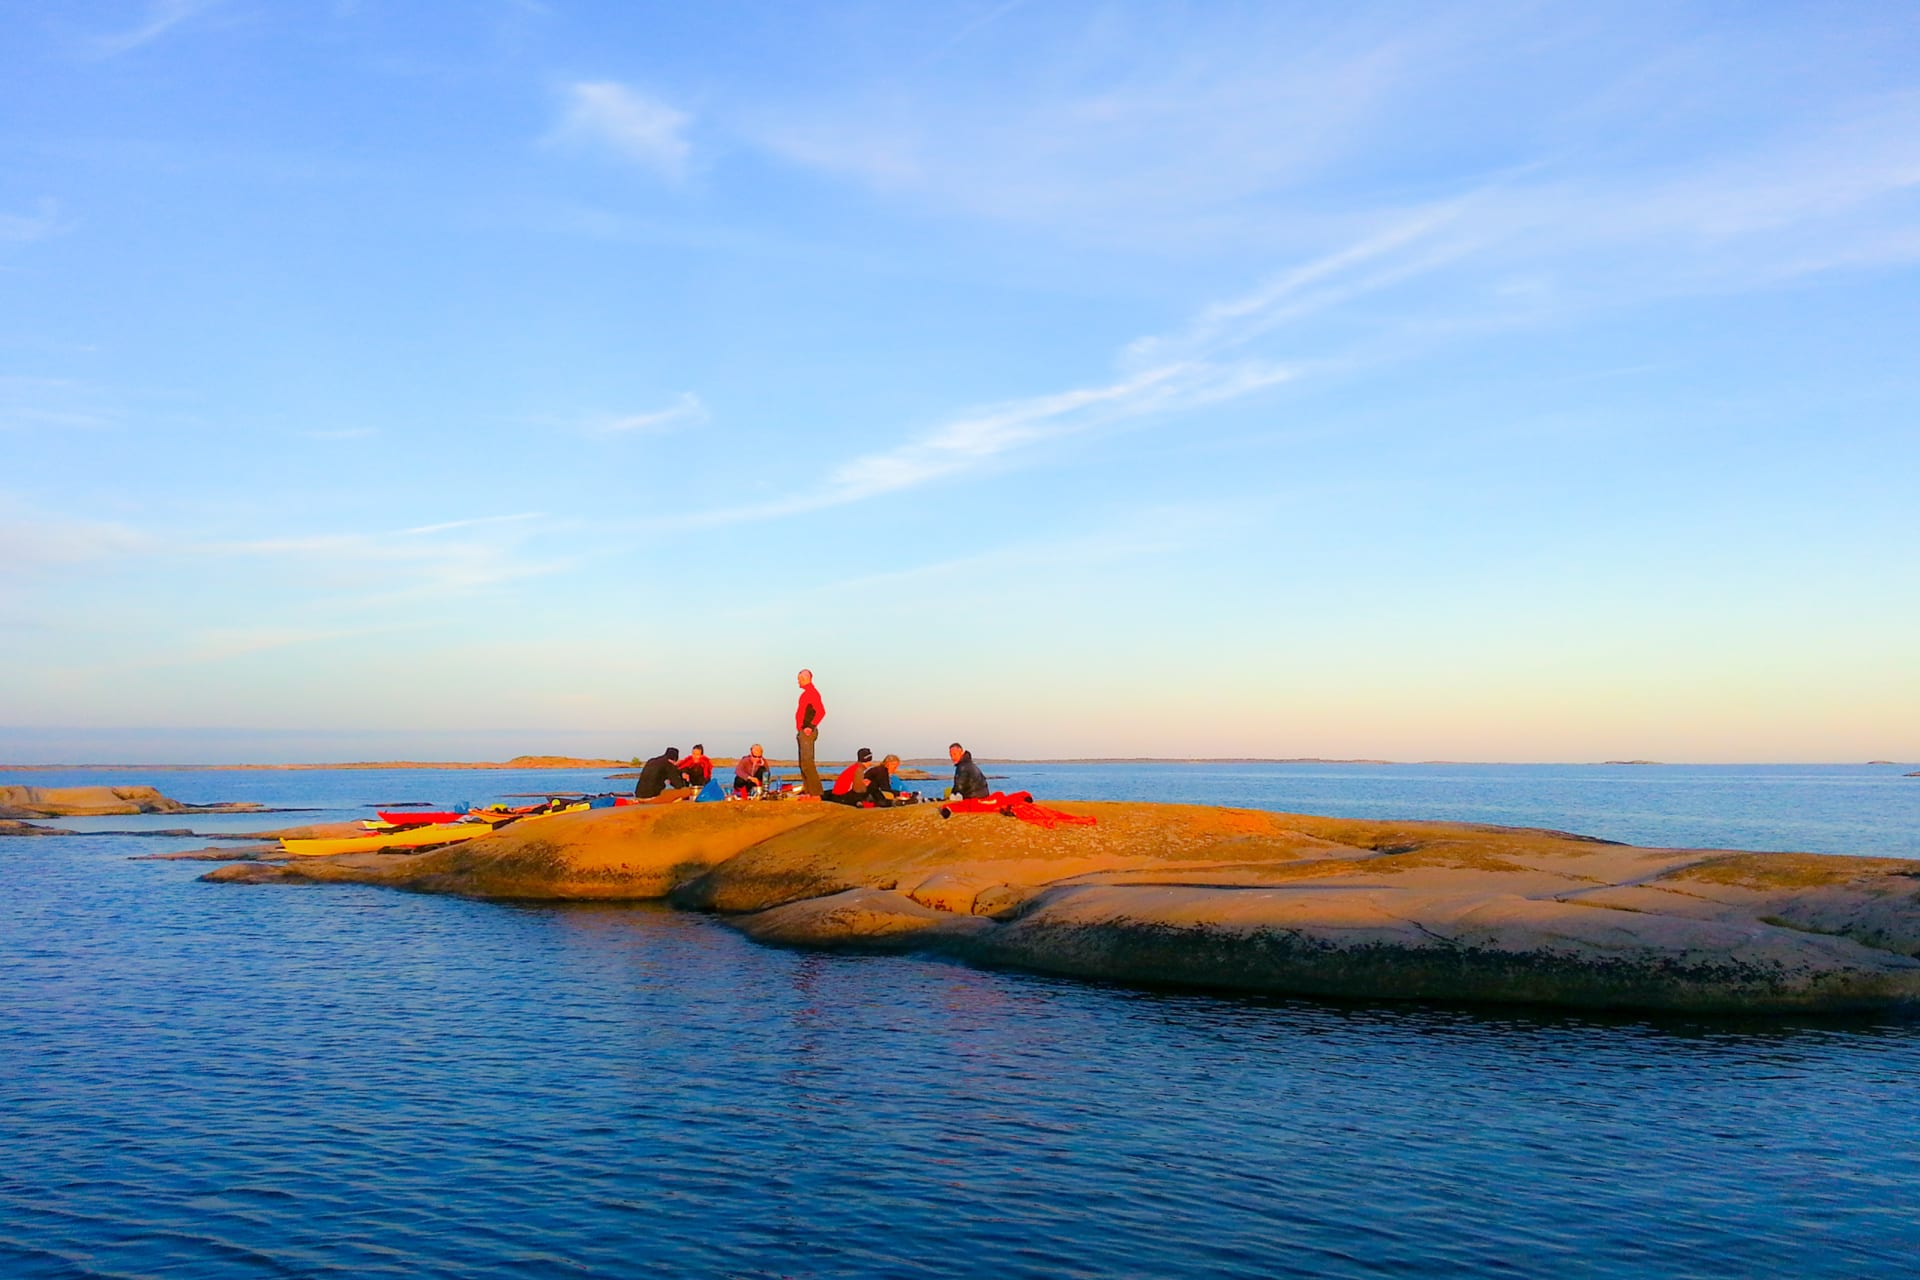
404	838
417	837
498	813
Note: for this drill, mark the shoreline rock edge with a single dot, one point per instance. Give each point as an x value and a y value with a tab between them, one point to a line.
1241	900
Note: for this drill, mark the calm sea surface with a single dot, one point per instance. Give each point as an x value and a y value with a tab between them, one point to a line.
230	1081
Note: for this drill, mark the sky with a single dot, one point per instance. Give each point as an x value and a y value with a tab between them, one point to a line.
1493	381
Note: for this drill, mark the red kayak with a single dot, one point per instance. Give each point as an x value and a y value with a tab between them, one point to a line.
418	818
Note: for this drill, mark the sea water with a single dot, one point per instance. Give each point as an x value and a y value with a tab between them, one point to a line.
227	1081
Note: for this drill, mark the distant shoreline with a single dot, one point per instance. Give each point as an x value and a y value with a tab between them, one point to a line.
566	762
518	762
942	760
576	762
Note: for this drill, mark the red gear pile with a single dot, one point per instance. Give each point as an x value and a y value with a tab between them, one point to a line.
1018	805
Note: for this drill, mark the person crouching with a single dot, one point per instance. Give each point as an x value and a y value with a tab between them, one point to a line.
882	791
662	773
751	771
697	768
851	786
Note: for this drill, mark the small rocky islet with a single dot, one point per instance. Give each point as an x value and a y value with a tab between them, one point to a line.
17	802
1228	899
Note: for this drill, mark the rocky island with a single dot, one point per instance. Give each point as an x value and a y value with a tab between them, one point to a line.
1230	899
94	802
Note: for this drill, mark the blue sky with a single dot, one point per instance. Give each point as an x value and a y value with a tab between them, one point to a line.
1496	381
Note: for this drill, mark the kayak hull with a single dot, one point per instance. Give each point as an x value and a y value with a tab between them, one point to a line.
408	838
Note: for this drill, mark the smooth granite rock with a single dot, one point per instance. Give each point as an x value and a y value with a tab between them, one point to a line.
91	802
1234	899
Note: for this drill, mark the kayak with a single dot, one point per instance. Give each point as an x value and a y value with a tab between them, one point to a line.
517	816
492	813
423	818
406	838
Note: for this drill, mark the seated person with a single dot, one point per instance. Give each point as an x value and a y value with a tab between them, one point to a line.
751	771
968	782
659	774
882	791
697	768
851	786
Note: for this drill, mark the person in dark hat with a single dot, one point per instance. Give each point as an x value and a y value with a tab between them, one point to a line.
850	787
659	774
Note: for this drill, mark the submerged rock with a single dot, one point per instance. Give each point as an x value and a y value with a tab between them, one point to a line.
1237	899
9	827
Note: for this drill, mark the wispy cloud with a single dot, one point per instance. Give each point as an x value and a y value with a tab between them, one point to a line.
687	409
222	644
609	116
33	539
1397	251
1795	206
62	404
405	564
20	228
476	521
979	22
21	417
1043	562
1262	132
974	440
1143	128
161	17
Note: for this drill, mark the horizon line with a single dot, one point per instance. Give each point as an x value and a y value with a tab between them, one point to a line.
585	762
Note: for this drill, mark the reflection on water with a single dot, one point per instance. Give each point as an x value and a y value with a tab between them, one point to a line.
222	1081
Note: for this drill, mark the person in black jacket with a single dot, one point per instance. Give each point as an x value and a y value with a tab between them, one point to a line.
968	782
658	774
882	790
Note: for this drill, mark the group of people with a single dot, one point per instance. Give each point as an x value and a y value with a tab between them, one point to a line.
668	772
864	782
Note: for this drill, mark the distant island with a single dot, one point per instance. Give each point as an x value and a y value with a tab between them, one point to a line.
1630	762
1005	760
582	762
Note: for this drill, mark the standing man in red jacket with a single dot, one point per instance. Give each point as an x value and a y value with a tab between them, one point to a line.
806	723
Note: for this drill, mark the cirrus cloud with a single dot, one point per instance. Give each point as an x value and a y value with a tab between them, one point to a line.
605	116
